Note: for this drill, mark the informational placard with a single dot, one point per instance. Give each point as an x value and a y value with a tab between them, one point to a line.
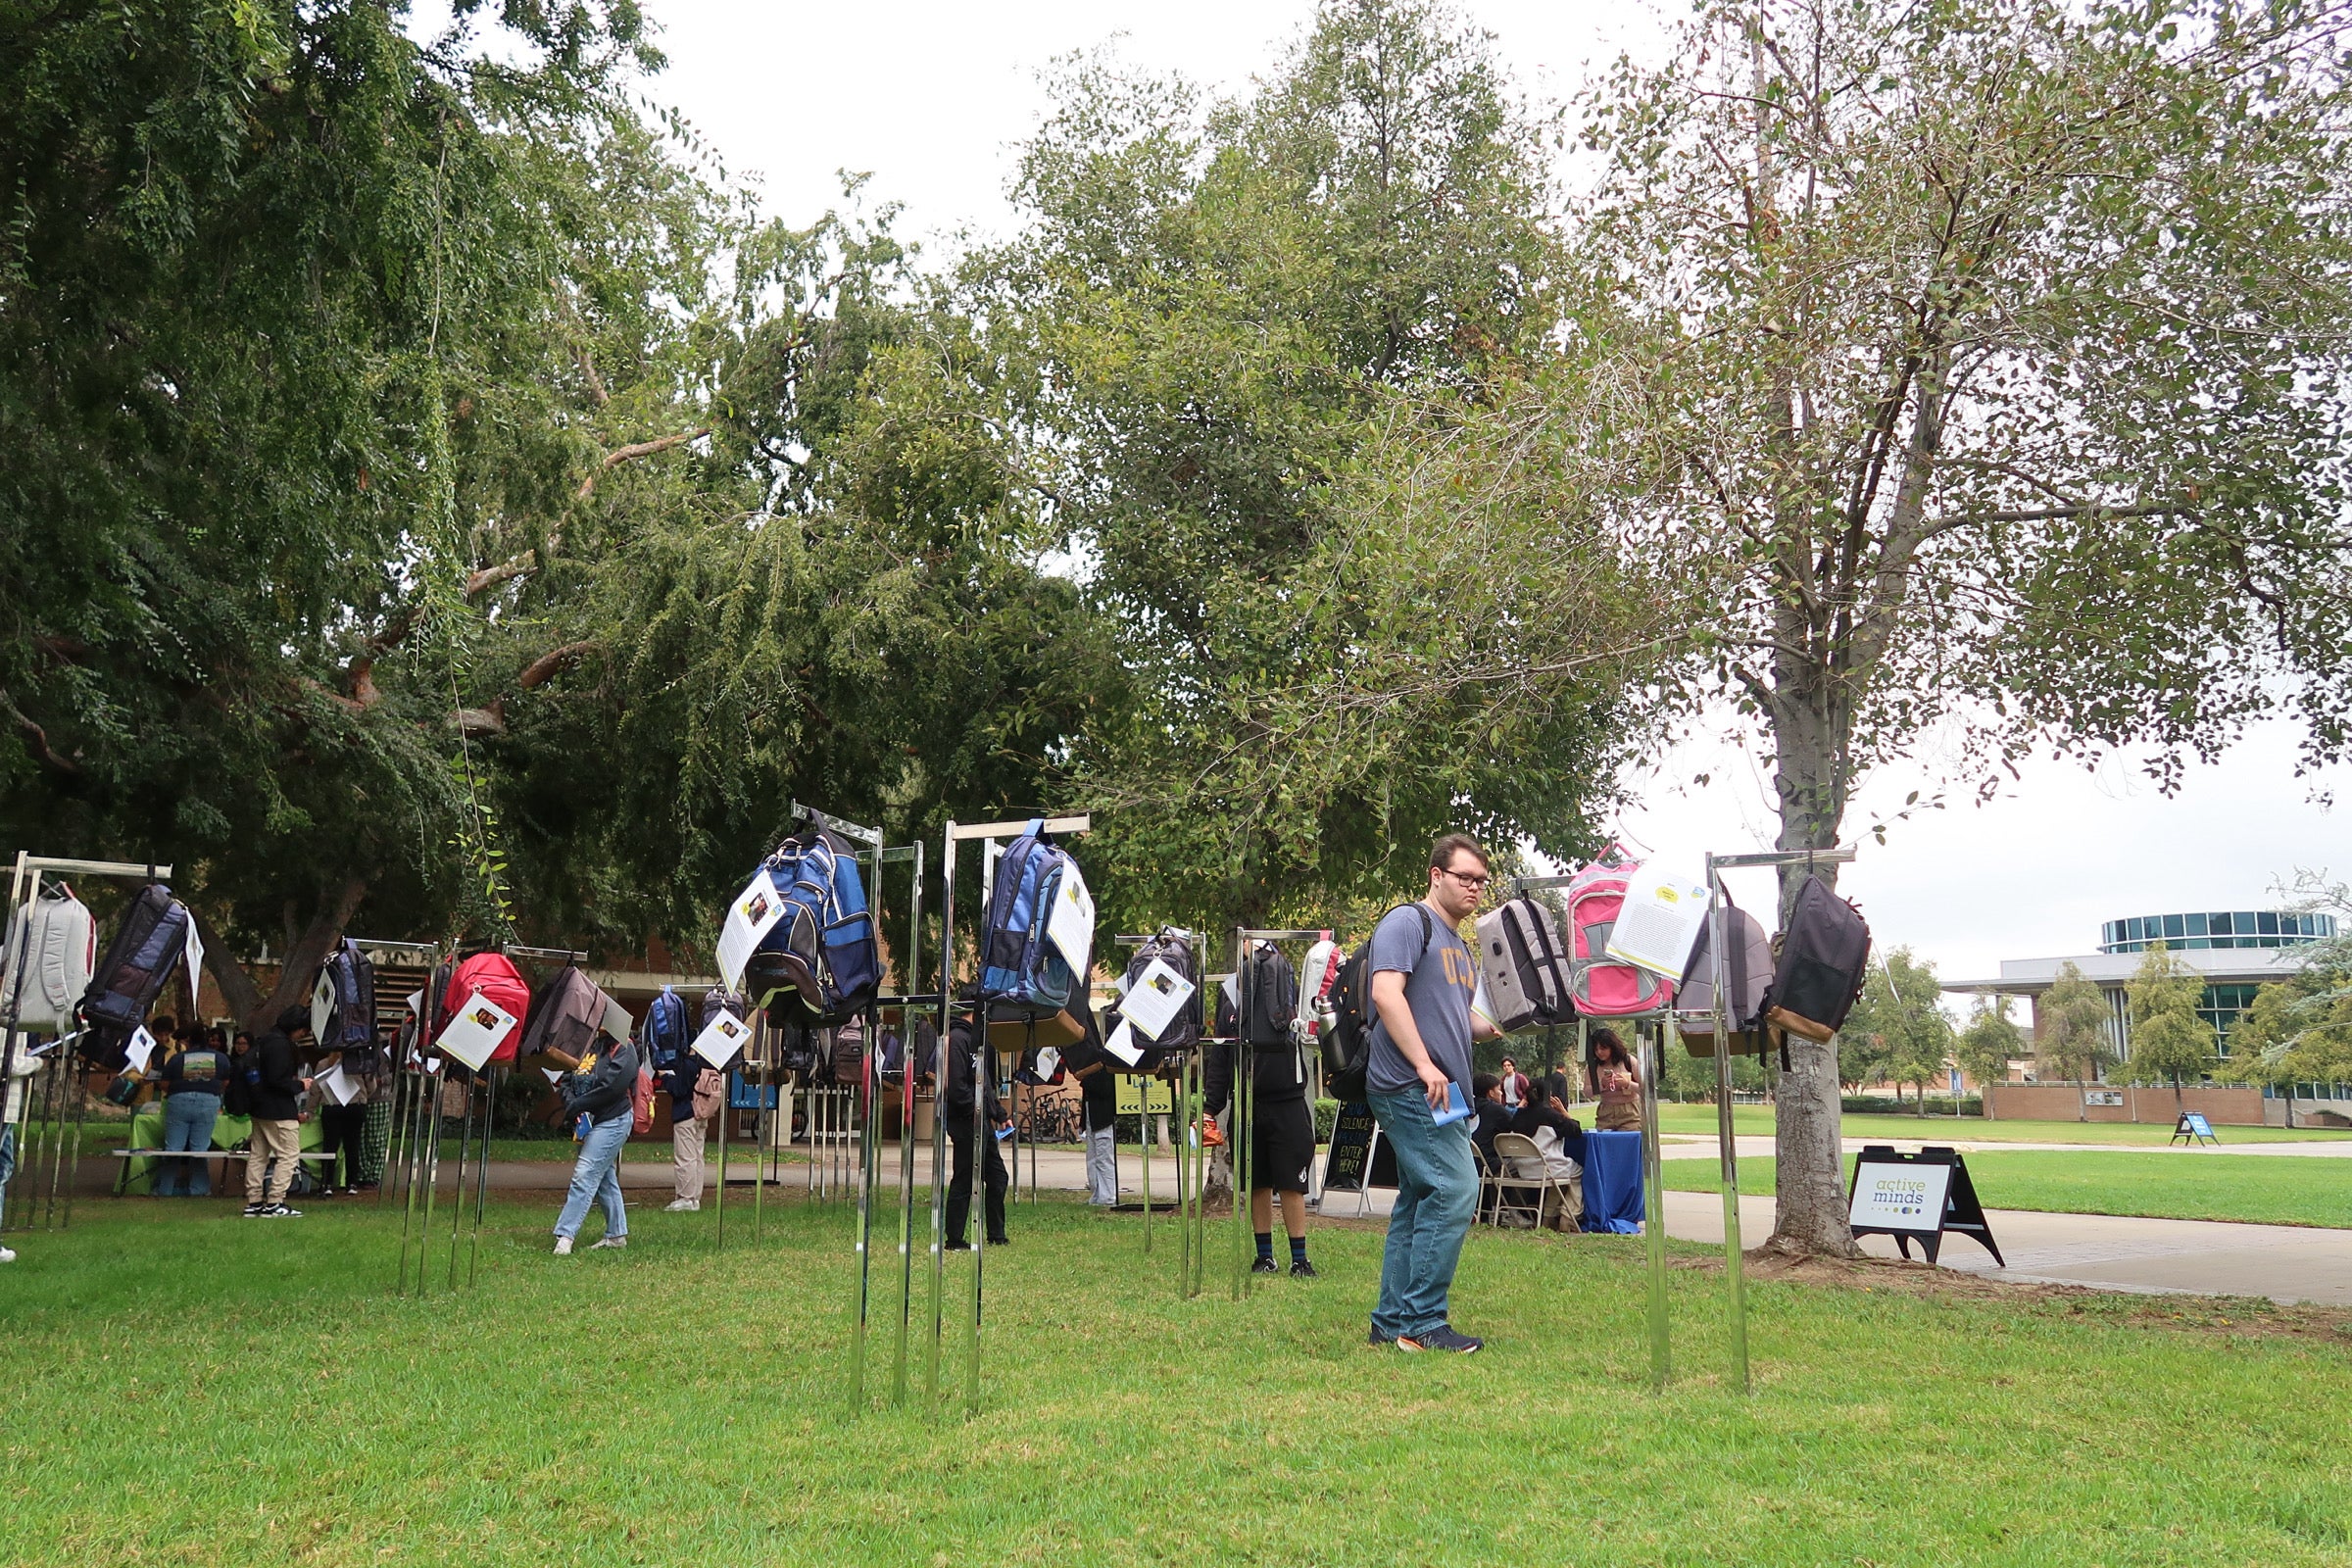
1159	994
2102	1096
336	1086
1048	1062
323	1004
478	1029
1660	919
1357	1158
1918	1197
617	1020
1140	1096
1902	1196
1121	1044
721	1040
140	1049
194	954
750	917
2192	1127
1071	924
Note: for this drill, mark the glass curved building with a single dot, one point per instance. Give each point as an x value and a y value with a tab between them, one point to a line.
2224	928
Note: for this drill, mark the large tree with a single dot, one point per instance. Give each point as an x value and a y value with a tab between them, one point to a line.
2074	1034
1986	359
2170	1039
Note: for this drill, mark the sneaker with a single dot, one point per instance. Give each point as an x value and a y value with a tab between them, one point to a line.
8	1254
1304	1270
999	1241
563	1246
612	1244
1264	1265
1440	1338
683	1205
957	1245
282	1212
253	1210
1379	1338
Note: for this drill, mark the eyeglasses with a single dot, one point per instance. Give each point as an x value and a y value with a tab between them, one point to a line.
1475	881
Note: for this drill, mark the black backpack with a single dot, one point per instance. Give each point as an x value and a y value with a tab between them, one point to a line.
1348	1043
147	948
1825	955
351	1026
1269	989
1184	1029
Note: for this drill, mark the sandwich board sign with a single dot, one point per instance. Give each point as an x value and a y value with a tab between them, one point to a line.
1916	1198
2193	1128
1359	1158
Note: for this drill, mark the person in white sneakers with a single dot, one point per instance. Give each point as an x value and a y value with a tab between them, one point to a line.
596	1095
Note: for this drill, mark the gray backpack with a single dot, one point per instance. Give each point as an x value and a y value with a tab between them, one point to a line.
52	950
1526	966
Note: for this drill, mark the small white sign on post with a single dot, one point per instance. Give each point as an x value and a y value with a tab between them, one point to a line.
336	1085
1899	1198
1071	924
1121	1044
478	1029
194	952
718	1042
1660	920
1152	1002
752	916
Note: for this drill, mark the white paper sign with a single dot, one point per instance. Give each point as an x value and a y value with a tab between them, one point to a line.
1659	923
725	1036
753	915
1155	998
1121	1044
476	1031
617	1023
1071	924
1899	1198
194	952
141	1050
415	1002
323	1004
554	1075
336	1085
1048	1061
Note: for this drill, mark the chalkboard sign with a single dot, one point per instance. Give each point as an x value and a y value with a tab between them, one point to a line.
1358	1156
1923	1198
2193	1128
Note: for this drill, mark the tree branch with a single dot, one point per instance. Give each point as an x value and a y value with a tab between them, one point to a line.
636	449
36	741
539	671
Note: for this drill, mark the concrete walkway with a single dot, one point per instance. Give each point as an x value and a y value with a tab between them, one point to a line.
1759	1146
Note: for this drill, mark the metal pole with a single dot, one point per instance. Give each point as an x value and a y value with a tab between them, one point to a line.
1719	966
16	1000
726	1113
456	1211
907	1075
481	1175
1143	1127
408	1176
939	1119
432	1182
867	1156
1653	1208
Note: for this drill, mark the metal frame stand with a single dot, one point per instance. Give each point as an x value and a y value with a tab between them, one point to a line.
25	890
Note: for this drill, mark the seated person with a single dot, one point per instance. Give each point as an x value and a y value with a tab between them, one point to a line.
1557	1134
1494	1117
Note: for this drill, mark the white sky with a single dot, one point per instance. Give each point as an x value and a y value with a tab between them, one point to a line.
931	99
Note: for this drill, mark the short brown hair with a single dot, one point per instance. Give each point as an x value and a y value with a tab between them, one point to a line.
1441	853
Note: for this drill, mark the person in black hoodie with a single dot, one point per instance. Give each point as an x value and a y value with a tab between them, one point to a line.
596	1093
274	1086
957	1106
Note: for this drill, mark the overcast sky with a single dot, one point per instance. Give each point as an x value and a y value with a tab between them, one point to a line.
931	98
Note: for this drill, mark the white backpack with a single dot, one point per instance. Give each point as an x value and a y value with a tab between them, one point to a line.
52	952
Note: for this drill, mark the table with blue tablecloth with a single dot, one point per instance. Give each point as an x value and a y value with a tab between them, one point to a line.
1613	1183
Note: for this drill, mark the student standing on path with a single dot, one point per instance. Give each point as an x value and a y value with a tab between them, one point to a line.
276	1086
1423	977
597	1091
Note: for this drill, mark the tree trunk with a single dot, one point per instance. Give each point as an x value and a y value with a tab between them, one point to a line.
296	974
2082	1102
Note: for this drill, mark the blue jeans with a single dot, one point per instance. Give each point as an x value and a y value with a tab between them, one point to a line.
188	1118
596	1175
8	1159
1437	1192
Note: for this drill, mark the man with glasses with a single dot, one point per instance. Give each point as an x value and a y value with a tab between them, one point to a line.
1423	978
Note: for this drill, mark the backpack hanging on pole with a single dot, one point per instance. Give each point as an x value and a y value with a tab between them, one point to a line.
1174	947
52	953
147	949
718	999
664	1034
1018	966
1747	972
1526	969
347	979
819	963
495	976
1824	956
1599	988
1270	989
1316	981
564	1017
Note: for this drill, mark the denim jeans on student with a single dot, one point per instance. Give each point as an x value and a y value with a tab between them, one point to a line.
1102	1167
8	1162
1437	1192
596	1175
188	1118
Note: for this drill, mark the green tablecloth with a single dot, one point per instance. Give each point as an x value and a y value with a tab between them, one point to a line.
147	1132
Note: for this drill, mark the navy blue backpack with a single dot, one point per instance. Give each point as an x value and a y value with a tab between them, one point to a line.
139	962
665	1033
1021	971
820	962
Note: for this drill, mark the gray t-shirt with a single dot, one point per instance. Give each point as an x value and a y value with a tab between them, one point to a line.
1439	983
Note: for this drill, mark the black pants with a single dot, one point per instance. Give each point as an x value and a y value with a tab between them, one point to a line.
342	1128
959	1180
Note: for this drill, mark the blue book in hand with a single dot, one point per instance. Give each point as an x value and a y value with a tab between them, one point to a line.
1456	1107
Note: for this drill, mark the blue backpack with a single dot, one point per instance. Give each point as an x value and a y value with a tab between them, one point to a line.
1018	967
139	962
819	960
665	1033
352	1027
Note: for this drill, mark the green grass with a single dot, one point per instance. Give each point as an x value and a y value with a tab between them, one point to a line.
192	1388
2275	1190
1758	1120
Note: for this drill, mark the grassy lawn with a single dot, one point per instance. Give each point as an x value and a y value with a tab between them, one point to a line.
193	1389
1757	1119
2281	1189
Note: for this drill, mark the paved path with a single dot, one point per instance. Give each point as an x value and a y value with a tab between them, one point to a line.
1759	1146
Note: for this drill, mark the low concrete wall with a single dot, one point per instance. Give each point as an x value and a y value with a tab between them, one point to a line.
2233	1107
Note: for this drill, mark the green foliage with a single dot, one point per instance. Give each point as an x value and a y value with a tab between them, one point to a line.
2170	1042
2072	1040
1992	1041
1897	1030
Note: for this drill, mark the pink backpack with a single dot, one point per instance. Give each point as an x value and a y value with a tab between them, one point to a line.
1602	990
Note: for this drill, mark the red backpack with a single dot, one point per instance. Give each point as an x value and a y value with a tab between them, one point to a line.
1600	989
492	975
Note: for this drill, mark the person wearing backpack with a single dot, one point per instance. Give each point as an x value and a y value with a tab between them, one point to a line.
1424	976
275	1084
597	1094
